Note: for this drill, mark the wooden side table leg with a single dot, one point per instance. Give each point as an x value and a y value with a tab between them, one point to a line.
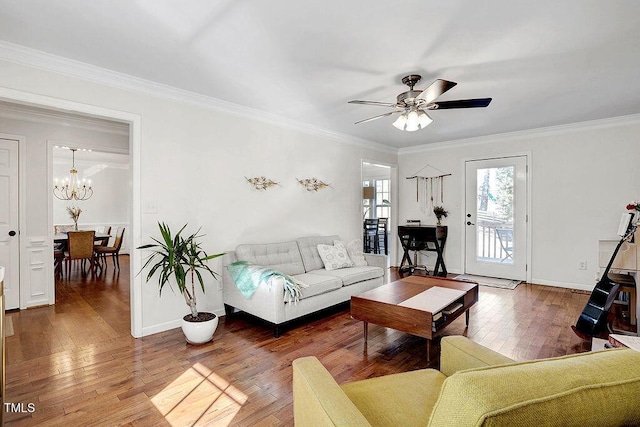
366	332
632	307
428	350
466	318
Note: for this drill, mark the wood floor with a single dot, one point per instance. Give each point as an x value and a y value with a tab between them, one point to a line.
77	363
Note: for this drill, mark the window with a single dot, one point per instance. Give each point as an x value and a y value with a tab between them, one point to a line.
383	197
379	206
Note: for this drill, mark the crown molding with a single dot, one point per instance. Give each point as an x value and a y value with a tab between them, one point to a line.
22	55
631	119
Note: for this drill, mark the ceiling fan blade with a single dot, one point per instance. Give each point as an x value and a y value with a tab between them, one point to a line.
379	117
462	103
436	89
379	104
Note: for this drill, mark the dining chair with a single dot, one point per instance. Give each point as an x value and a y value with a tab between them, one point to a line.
370	236
58	262
383	239
80	247
103	251
106	230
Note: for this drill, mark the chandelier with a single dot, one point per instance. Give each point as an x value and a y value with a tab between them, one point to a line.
72	188
412	119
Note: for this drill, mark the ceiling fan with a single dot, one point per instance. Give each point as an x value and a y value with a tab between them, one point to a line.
412	104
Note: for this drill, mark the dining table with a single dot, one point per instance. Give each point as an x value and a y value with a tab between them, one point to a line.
64	238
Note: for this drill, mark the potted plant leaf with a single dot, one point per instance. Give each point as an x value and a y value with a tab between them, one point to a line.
182	260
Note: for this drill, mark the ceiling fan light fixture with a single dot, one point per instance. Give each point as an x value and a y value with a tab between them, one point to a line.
413	103
412	120
400	122
424	120
412	127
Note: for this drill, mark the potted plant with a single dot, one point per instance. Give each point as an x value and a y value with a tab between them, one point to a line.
440	213
182	259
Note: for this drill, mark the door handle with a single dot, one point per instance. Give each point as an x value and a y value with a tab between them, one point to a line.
470	223
12	233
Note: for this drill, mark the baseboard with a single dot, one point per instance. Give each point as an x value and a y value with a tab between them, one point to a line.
567	285
161	327
173	324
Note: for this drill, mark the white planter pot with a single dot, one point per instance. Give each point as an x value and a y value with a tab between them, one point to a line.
199	332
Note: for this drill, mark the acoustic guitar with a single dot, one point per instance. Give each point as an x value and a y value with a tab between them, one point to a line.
593	320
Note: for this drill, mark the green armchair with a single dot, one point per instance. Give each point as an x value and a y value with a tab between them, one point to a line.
477	387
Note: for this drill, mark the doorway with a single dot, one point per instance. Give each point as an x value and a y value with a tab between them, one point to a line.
496	232
379	192
40	238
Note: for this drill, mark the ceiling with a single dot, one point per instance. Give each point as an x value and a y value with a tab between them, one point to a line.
544	62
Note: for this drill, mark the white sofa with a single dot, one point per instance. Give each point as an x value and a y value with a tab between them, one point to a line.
301	260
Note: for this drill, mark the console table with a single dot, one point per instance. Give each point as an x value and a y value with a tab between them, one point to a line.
416	238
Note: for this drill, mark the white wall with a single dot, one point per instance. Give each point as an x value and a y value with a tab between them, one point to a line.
193	163
582	177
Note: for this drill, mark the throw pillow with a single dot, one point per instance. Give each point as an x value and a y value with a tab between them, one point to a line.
334	257
354	248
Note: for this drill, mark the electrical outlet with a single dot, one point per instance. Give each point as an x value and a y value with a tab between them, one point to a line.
582	265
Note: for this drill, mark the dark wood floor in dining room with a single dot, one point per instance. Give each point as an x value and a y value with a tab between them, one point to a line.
77	363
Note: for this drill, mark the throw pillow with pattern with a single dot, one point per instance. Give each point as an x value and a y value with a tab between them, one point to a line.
354	248
334	257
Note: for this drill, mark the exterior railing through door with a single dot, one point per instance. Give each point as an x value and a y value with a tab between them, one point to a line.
493	244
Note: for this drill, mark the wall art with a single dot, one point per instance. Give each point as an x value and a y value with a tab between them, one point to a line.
312	184
261	182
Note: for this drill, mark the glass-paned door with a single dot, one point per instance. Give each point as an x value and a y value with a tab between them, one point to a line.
496	217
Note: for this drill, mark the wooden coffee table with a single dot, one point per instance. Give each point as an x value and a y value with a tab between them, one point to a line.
380	306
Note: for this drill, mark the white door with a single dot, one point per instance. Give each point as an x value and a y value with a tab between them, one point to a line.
9	236
496	217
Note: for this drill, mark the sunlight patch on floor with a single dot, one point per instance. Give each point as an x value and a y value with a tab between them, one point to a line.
199	396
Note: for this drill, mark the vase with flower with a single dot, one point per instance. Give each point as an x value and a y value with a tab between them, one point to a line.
74	213
440	213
